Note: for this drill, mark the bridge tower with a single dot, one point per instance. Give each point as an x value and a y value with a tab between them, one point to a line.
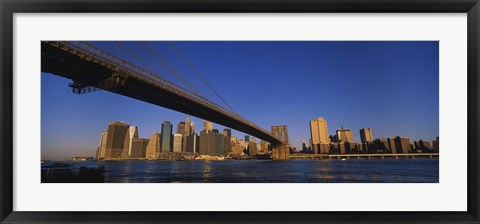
281	151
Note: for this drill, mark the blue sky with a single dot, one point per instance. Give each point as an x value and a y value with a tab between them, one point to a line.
391	87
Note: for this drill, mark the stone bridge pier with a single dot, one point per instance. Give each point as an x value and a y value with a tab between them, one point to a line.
281	151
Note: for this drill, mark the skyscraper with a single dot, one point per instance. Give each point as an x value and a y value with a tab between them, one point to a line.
192	128
207	125
319	131
392	145
319	135
192	143
103	144
219	143
227	146
252	148
132	134
402	144
366	135
247	138
117	137
166	138
139	148
186	132
177	143
204	142
345	135
180	128
153	146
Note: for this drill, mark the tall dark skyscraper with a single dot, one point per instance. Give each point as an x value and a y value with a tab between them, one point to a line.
247	138
192	143
117	140
166	139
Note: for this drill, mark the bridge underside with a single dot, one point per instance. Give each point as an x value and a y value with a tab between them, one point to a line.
62	63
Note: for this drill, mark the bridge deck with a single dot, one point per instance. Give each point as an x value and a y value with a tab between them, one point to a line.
91	66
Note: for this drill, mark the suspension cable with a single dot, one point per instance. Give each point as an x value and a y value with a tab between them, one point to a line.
132	55
170	67
199	75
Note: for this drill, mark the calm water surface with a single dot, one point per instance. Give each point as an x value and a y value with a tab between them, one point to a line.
267	171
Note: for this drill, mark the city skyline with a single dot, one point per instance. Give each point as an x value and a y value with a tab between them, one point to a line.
211	141
418	119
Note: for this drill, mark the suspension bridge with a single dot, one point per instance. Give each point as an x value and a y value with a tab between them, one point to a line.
91	68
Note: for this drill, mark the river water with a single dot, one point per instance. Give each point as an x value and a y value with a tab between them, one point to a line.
421	170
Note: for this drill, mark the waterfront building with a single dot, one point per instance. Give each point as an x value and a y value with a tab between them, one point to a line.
227	135
237	146
203	143
139	148
132	134
365	147
323	148
379	145
153	146
334	148
402	144
341	147
392	145
344	135
219	144
359	148
350	147
117	140
166	138
252	148
103	144
436	145
366	135
263	147
212	141
318	133
207	142
424	146
177	142
192	142
207	125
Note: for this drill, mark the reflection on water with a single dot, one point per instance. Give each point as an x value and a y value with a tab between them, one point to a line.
264	171
206	170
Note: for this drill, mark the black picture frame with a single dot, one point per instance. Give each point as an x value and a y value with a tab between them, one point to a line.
9	7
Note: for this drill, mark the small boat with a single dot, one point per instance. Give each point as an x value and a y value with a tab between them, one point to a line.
343	159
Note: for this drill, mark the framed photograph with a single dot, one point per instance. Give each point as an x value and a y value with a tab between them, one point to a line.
237	111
